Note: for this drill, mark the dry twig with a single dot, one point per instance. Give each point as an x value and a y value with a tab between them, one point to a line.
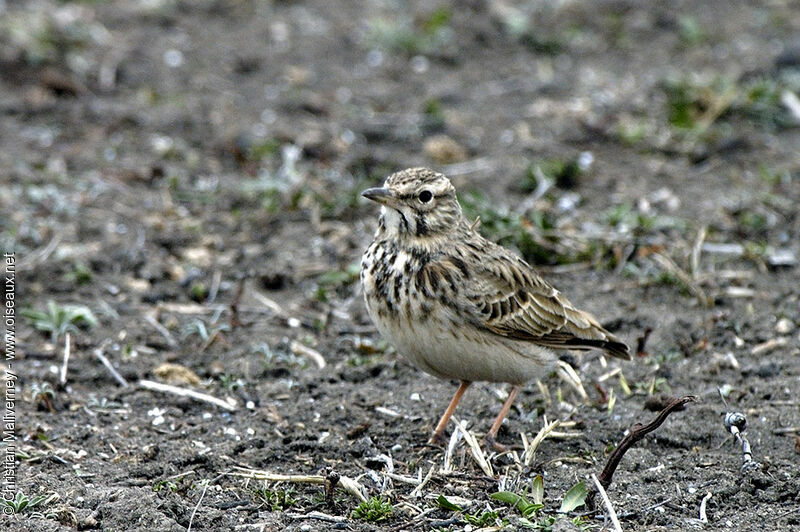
183	392
98	353
348	484
639	431
62	376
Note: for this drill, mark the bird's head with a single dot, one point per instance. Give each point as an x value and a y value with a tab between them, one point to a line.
417	203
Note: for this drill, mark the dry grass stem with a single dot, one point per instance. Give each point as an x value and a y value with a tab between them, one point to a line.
269	303
304	351
669	266
694	262
318	516
200	500
62	376
348	484
610	507
417	492
98	353
769	345
792	103
530	450
703	503
229	405
161	330
569	376
40	255
447	463
475	448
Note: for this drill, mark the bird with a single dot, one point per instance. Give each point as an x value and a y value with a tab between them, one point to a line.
459	306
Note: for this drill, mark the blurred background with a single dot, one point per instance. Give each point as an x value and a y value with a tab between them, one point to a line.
181	184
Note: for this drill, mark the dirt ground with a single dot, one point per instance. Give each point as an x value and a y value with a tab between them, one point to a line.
189	173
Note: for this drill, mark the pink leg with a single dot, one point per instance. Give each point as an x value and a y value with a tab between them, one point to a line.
439	432
490	436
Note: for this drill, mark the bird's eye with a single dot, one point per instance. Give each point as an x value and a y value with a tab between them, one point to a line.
425	196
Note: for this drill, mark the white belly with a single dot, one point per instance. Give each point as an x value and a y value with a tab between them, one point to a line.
441	349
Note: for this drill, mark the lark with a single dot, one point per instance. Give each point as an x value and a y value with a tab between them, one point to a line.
459	306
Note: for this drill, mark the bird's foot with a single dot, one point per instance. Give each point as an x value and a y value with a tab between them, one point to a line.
489	443
438	439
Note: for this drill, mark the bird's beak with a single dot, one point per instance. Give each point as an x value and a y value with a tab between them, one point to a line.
381	195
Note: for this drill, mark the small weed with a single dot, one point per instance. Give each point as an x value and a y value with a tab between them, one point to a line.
479	519
21	503
43	394
690	31
626	219
434	115
165	484
81	274
199	328
427	36
277	500
277	357
693	106
574	498
60	319
653	386
176	484
564	173
337	281
198	292
374	510
230	382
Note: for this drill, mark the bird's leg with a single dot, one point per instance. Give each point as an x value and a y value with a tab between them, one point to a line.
489	439
439	432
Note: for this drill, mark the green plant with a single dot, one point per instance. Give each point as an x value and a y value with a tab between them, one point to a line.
275	499
60	319
690	30
565	173
81	274
168	484
336	280
574	498
21	503
230	382
479	519
374	510
199	328
403	35
274	357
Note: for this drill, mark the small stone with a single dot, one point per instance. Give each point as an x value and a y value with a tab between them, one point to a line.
782	258
784	326
176	374
444	150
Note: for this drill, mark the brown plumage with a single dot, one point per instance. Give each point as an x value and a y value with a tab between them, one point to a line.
459	306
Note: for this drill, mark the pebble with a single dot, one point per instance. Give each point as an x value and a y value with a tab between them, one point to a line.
784	326
444	150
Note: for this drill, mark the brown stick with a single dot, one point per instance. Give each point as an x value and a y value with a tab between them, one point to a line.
638	431
642	341
234	306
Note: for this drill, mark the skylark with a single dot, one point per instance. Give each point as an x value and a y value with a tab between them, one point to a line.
459	306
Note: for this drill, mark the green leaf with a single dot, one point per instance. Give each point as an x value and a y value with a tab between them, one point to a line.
575	497
509	498
538	490
447	505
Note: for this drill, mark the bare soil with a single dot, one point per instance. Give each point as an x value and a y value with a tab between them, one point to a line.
158	157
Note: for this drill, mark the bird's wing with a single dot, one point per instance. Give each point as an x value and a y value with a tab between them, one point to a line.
505	296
